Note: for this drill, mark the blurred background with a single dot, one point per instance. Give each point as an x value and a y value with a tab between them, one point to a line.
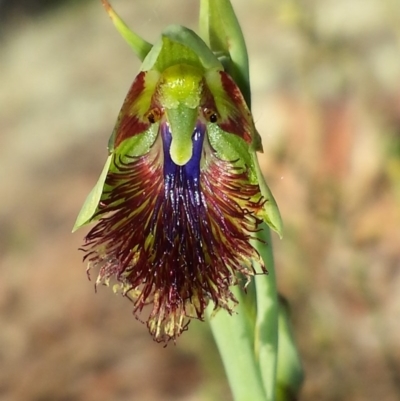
326	99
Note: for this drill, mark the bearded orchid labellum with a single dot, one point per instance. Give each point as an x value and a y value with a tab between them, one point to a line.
180	196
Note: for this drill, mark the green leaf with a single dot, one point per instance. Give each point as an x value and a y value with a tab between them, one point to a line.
234	336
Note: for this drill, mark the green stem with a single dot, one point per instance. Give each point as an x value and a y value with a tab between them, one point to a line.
266	340
234	338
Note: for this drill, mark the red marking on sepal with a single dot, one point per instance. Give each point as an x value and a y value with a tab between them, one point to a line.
130	121
239	120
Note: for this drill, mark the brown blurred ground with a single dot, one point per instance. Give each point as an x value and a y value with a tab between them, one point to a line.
326	98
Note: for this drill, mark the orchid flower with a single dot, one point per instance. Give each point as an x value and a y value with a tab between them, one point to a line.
181	197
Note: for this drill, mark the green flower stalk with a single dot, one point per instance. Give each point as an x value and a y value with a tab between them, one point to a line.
179	202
